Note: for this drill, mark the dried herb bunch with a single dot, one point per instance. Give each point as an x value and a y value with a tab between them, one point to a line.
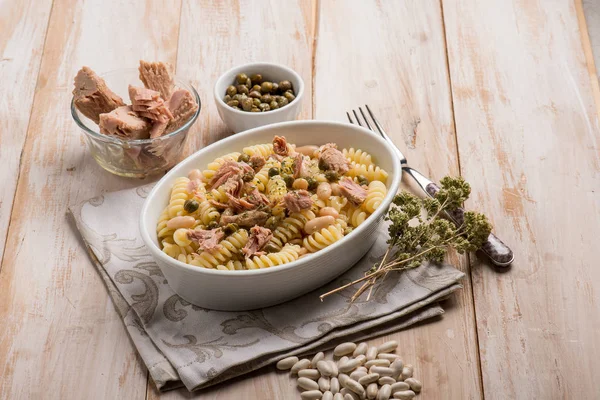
418	233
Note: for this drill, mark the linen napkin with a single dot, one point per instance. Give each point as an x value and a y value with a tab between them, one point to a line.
181	343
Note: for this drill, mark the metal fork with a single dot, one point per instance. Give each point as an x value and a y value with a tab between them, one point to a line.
498	252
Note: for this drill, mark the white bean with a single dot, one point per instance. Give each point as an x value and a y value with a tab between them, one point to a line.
355	387
318	357
315	225
324	368
370	378
327	395
371	353
334	385
310	374
362	348
324	383
404	395
311	395
349	394
325	211
361	368
308	150
349	365
382	371
194	174
287	363
335	189
300	183
300	365
407	372
399	386
387	347
414	384
372	390
344	348
379	362
388	356
342	360
356	375
324	191
334	368
181	222
343	378
307	384
397	367
384	392
361	359
386	380
338	396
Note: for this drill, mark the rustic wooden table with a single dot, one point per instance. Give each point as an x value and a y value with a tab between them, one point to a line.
503	92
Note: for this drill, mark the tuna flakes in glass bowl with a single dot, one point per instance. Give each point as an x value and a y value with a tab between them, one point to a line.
134	158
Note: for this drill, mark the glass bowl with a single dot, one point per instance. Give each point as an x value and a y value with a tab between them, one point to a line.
134	158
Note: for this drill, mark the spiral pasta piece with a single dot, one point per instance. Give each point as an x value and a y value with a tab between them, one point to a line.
323	238
181	237
291	227
356	215
375	195
276	188
358	156
214	166
261	179
229	248
208	213
287	254
264	150
218	194
179	195
161	229
371	172
234	265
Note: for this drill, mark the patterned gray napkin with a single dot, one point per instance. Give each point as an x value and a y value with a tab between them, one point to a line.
184	344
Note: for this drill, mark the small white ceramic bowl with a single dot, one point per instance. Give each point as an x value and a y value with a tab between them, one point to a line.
250	289
238	120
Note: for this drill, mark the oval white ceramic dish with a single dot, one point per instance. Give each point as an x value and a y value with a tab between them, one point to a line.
238	120
250	289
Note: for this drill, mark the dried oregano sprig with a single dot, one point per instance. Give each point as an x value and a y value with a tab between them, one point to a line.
418	233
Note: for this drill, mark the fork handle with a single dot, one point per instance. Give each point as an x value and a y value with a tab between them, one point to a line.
498	252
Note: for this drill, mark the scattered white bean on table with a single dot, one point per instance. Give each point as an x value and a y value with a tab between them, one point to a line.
362	372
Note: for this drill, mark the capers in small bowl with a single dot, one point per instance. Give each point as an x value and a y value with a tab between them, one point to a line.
265	95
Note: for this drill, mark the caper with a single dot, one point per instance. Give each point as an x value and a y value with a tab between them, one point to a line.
233	103
274	105
264	107
190	205
289	95
254	94
255	88
275	88
332	176
272	222
289	180
273	171
227	98
231	90
266	98
312	183
266	87
230	228
362	180
238	97
282	101
242	89
248	176
270	248
256	79
285	86
247	104
255	102
248	83
323	165
255	109
244	158
212	225
241	78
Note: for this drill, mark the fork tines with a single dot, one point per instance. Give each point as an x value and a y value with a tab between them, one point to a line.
365	120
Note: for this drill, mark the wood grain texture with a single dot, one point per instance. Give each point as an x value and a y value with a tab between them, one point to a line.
393	59
23	29
528	141
591	10
61	336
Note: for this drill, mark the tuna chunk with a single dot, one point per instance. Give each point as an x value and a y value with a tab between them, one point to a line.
125	124
257	198
355	193
228	170
148	104
183	106
333	159
297	200
239	203
157	76
246	219
257	162
91	95
280	146
208	240
259	236
298	163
